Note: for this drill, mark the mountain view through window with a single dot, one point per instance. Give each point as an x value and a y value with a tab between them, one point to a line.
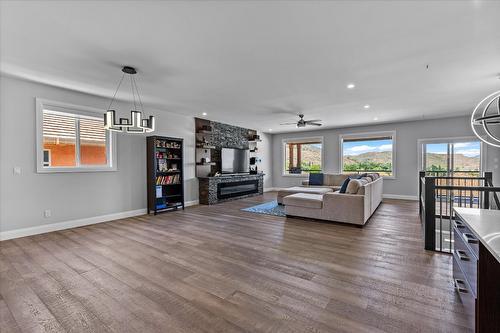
368	155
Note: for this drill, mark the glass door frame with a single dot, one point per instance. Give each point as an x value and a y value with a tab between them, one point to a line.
421	151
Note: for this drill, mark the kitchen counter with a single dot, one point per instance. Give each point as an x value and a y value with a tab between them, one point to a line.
485	225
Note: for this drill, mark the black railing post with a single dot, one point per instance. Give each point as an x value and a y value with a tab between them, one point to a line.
488	181
430	213
421	174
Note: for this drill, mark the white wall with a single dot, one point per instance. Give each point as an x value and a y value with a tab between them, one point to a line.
71	196
76	196
407	134
266	157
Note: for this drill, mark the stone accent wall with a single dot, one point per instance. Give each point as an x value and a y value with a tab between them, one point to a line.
228	136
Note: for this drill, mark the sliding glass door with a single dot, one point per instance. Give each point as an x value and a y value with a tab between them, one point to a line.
460	159
452	158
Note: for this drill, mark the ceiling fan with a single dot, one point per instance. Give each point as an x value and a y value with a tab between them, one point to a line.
303	123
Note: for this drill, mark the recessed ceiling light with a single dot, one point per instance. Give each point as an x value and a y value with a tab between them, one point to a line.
270	130
367	106
204	114
351	86
376	118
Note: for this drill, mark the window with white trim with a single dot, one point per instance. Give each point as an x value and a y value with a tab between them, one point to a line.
72	139
369	152
302	156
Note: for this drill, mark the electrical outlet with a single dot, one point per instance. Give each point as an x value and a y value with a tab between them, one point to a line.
47	213
17	170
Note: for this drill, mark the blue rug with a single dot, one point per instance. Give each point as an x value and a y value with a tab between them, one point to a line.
268	208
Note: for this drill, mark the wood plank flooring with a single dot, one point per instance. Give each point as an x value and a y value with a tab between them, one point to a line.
219	269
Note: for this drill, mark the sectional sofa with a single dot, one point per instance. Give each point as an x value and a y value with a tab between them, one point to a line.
324	202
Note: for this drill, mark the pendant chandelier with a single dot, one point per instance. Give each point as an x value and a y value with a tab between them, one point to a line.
485	120
135	125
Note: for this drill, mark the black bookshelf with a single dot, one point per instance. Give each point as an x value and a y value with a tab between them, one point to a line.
165	174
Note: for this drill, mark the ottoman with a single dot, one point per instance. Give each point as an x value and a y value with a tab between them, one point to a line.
301	189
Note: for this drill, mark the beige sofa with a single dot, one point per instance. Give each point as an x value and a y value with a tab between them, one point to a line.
361	199
331	183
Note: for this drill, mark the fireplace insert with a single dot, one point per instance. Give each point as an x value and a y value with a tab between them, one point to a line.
237	189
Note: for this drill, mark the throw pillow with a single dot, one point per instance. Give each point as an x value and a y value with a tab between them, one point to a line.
362	175
343	188
315	179
355	186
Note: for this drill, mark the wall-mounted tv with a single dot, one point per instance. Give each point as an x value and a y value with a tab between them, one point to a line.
235	160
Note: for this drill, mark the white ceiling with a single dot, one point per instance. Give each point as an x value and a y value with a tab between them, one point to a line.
257	64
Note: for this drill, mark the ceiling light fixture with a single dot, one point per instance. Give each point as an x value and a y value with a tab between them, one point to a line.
204	114
135	125
484	117
351	86
367	106
270	130
375	118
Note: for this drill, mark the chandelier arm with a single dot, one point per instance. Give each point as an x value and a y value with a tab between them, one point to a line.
133	92
138	95
116	91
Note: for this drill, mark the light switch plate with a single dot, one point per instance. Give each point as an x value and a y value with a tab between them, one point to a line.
17	170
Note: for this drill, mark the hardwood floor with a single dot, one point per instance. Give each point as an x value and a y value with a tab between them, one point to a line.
219	269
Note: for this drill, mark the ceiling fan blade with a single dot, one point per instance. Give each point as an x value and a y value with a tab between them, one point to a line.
314	124
295	123
313	121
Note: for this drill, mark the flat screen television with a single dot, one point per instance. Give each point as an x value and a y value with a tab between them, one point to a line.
235	160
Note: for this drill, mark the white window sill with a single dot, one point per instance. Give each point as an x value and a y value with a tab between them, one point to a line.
79	169
296	175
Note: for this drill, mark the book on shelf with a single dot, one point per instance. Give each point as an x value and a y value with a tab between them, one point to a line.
167	155
168	205
162	165
167	180
167	144
159	191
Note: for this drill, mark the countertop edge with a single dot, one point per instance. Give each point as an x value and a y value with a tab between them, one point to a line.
480	238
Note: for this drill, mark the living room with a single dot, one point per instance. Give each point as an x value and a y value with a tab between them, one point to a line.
249	166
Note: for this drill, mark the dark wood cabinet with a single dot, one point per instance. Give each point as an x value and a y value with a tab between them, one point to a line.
165	157
476	272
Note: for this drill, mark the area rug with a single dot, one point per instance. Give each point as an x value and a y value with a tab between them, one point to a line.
268	208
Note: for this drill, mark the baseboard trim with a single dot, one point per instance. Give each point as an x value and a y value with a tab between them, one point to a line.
400	197
30	231
191	203
11	234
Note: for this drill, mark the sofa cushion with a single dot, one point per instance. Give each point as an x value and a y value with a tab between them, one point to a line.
346	182
306	200
334	180
305	189
315	179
